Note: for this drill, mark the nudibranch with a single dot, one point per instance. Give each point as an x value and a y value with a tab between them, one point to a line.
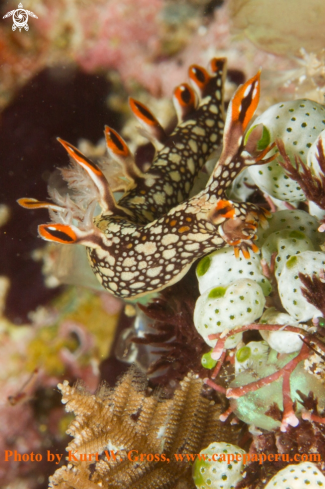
152	235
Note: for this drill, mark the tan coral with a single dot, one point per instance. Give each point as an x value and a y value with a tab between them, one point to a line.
131	417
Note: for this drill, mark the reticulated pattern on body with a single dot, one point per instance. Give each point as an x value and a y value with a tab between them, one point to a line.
151	236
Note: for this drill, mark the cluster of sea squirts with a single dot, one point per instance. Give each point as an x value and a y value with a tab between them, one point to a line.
236	292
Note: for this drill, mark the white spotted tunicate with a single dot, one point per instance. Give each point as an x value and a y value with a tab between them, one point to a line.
221	468
297	123
286	244
315	155
294	219
225	307
281	341
222	267
239	190
251	355
305	475
289	284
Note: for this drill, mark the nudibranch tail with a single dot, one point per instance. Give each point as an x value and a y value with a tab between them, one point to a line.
185	151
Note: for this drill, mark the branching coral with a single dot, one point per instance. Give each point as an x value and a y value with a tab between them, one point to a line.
312	185
133	420
314	291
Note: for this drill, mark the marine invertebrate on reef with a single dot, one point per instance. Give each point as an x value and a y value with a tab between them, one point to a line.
135	421
220	473
224	308
221	318
302	476
297	123
149	238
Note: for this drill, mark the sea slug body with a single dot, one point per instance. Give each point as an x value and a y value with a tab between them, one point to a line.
151	236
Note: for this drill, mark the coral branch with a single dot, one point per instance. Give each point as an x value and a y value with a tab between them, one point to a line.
220	345
236	392
215	386
307	416
312	186
289	417
314	291
219	365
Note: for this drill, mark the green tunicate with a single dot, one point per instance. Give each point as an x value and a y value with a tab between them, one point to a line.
217	292
243	354
203	266
292	220
289	284
207	361
286	244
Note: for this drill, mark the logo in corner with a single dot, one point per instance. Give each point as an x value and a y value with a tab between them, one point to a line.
20	18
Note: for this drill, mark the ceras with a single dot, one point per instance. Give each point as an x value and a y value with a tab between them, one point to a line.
151	236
